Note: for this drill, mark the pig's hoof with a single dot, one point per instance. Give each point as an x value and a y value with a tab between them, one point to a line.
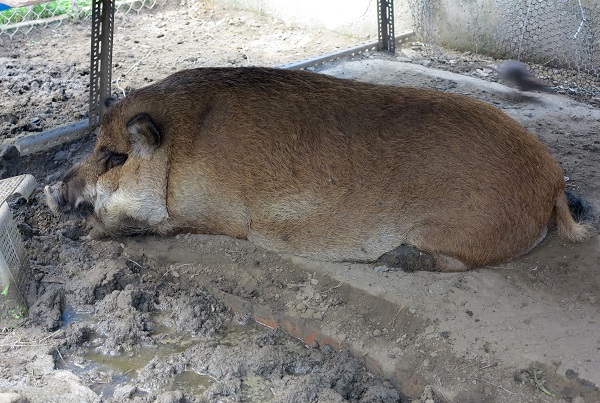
408	258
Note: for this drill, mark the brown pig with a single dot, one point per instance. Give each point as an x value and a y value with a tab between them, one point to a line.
320	167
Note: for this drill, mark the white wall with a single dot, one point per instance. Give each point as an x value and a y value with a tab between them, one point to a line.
457	24
351	17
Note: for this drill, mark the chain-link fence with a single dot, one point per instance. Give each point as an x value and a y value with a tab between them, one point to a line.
38	92
558	38
21	20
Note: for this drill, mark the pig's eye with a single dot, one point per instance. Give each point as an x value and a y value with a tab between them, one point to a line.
114	159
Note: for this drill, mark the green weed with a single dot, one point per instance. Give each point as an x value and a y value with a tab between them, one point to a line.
73	8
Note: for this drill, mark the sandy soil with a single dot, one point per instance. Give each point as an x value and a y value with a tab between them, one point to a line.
173	319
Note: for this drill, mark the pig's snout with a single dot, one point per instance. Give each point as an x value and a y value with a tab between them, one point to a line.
54	198
57	198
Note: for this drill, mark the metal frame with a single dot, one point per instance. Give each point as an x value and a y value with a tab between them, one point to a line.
349	51
103	18
385	18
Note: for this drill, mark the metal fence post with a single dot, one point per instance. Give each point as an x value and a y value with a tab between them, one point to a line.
385	16
103	13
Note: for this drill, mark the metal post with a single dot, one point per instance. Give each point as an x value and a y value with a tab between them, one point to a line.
385	16
103	13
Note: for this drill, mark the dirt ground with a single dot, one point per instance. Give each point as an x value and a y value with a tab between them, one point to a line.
177	319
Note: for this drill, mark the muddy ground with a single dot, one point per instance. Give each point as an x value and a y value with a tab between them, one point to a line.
175	319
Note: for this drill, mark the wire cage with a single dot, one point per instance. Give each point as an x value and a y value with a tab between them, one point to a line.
559	39
14	267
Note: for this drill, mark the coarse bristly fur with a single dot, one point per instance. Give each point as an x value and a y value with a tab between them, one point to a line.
321	167
581	209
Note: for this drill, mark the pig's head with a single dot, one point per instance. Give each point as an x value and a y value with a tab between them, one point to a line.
121	184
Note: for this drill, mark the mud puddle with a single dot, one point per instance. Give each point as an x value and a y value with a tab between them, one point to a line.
113	375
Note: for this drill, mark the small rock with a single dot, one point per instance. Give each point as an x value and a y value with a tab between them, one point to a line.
377	333
342	337
26	231
73	232
301	307
176	396
411	54
12	398
8	160
427	395
124	391
250	287
62	155
318	316
9	152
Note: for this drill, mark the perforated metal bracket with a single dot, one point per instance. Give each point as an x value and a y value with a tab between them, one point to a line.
103	16
313	61
385	16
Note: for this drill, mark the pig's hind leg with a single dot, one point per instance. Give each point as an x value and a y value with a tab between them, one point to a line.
410	258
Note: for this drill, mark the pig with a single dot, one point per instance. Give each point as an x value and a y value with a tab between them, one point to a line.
321	167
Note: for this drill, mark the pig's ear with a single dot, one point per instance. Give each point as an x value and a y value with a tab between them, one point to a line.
145	136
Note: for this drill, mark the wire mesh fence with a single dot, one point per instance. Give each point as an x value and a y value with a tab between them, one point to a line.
21	20
559	39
